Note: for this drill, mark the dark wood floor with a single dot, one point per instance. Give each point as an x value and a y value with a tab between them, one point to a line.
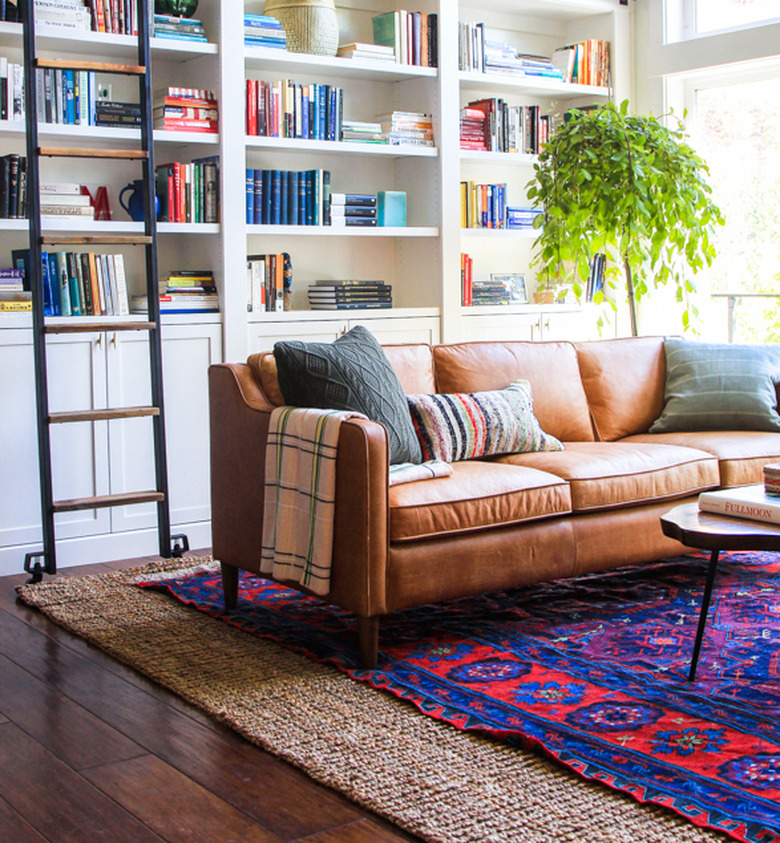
90	750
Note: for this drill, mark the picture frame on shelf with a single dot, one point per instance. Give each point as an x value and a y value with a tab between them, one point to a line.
514	282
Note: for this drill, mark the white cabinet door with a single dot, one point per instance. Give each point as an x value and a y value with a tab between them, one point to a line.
501	327
76	374
188	351
395	330
262	336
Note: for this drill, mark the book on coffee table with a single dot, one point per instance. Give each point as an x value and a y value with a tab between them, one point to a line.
750	502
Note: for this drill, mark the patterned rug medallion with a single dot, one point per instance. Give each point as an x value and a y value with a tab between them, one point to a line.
592	671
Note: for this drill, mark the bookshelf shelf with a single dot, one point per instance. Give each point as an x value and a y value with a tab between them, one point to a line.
342	231
261	58
474	156
518	233
300	145
316	315
106	136
537	86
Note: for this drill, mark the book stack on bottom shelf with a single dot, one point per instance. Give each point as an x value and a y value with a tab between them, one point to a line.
183	291
13	296
353	209
329	294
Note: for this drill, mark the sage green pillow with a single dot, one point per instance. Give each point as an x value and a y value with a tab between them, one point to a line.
712	386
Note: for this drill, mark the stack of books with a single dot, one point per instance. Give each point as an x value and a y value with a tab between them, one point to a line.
371	52
184	291
521	217
65	199
353	209
584	63
474	133
13	296
329	294
264	31
186	110
503	58
407	128
267	278
120	115
362	132
13	186
413	36
171	26
65	14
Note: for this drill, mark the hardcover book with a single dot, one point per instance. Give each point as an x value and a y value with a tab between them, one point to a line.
750	502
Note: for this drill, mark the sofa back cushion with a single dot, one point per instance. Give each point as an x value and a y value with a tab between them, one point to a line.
559	401
624	381
412	363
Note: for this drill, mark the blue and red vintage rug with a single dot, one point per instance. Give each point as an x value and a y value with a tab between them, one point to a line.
593	671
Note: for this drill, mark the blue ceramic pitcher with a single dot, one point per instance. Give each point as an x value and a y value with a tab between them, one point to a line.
135	204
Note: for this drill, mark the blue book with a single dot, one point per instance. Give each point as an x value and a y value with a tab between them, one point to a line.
70	106
258	190
309	177
316	194
76	304
305	111
276	197
250	196
292	198
61	270
57	300
283	178
301	198
322	102
51	293
266	181
326	197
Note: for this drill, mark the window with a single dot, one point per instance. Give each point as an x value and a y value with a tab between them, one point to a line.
712	15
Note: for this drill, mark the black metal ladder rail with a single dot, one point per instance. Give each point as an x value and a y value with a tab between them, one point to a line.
168	545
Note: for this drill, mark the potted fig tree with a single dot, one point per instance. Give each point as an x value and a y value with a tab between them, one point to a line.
631	189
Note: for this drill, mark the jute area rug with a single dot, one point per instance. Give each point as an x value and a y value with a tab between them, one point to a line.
423	775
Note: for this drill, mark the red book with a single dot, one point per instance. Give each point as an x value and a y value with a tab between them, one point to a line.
178	194
184	124
251	106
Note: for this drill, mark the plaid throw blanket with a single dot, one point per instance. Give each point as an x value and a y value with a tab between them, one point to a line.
300	494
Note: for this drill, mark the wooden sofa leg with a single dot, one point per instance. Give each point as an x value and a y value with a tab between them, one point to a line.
229	585
368	641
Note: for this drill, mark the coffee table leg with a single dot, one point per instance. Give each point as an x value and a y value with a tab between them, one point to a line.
705	605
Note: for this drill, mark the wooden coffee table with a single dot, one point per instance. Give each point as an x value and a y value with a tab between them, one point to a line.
707	531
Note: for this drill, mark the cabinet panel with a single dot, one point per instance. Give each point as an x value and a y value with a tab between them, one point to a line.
390	331
503	327
263	336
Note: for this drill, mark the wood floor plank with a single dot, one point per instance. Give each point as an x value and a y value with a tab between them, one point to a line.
65	729
263	787
55	800
173	805
14	829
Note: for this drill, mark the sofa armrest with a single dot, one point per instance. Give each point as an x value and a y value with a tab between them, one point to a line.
239	416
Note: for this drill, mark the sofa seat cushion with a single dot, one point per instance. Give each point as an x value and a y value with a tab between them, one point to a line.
478	495
610	474
742	454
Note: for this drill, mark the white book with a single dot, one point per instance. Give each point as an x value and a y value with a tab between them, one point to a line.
71	199
69	188
257	270
121	285
750	502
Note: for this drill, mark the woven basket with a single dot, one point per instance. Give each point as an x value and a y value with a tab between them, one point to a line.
311	25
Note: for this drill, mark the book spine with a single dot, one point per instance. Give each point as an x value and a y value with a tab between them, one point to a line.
766	512
123	307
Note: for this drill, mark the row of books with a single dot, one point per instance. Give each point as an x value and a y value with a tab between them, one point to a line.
495	126
185	109
183	291
264	31
188	192
172	26
482	205
287	197
119	17
13	295
13	186
327	294
497	290
585	62
286	109
412	35
79	283
267	278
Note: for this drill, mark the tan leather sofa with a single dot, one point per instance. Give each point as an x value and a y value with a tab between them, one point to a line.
495	523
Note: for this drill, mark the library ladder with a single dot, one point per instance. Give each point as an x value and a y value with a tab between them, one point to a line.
44	562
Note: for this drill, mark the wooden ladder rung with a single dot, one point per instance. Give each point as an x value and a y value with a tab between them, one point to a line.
103	415
97	239
105	67
103	501
91	152
89	327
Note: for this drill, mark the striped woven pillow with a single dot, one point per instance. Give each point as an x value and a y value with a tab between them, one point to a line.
465	425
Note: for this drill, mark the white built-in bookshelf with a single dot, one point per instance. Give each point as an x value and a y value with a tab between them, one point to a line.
421	260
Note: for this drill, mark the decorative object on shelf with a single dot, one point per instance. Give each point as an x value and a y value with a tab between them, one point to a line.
311	25
135	204
391	207
629	187
181	8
